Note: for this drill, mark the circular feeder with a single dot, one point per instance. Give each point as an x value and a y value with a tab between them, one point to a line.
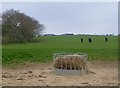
73	64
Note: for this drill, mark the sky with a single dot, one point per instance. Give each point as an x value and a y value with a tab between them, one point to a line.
71	17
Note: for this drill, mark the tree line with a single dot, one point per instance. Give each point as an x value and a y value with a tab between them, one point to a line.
18	27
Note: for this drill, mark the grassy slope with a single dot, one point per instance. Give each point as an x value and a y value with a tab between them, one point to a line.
43	51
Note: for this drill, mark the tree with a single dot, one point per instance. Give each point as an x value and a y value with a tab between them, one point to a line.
18	27
0	28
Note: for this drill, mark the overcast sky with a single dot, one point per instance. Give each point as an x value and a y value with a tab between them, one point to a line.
71	17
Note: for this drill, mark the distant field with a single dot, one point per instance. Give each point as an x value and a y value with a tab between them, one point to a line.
43	50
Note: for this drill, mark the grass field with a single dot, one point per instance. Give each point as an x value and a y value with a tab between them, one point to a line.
43	50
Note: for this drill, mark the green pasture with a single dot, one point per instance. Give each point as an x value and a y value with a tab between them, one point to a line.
43	50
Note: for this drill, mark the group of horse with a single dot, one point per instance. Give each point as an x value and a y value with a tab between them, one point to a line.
90	40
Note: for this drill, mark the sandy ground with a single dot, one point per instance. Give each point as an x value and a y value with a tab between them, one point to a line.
41	74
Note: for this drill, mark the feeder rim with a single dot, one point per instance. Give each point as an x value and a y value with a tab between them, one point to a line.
69	54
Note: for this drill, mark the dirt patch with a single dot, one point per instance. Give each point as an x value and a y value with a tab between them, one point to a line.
41	74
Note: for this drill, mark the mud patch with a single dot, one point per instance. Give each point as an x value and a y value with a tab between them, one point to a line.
41	74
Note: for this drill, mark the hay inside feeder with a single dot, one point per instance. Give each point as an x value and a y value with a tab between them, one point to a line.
70	63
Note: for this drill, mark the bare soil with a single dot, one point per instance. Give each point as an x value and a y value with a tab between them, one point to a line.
41	74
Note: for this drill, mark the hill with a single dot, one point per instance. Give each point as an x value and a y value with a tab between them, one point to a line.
43	50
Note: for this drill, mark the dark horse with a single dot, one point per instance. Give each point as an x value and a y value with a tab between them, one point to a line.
90	40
